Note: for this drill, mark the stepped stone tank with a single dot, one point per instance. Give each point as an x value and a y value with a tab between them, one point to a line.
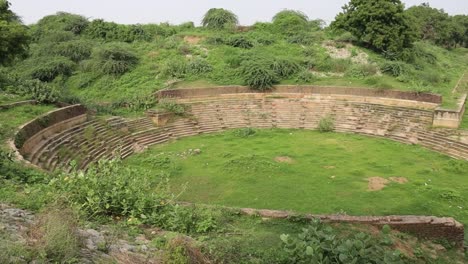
54	140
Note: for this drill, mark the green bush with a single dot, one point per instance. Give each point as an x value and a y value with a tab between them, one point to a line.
290	22
108	188
174	68
199	66
114	59
171	106
75	50
306	76
245	132
219	18
395	68
258	74
362	70
63	22
326	124
48	69
240	41
39	91
285	67
320	244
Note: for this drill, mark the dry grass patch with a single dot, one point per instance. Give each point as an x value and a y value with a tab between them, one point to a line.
378	183
284	159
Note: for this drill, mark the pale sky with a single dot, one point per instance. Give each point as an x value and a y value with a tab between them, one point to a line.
179	11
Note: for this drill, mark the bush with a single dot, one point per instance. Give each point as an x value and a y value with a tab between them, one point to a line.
219	18
320	244
290	22
39	91
305	76
306	38
326	124
108	188
362	70
75	50
245	132
240	41
63	22
48	69
395	68
284	67
258	74
170	106
199	66
115	59
174	68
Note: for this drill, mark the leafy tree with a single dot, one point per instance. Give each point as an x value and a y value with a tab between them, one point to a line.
459	30
430	23
219	18
14	38
59	22
379	24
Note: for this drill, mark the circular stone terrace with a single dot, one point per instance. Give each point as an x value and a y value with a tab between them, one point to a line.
54	140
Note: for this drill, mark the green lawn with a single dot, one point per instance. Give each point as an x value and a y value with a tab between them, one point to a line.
327	173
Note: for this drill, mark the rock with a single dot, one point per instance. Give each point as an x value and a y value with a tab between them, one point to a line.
196	151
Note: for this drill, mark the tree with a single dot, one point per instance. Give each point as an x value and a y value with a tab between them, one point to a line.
219	18
378	24
14	38
429	23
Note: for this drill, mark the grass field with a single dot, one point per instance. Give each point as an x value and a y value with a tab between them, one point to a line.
308	171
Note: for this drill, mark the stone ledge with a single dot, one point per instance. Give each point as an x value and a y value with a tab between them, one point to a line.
306	89
450	118
429	227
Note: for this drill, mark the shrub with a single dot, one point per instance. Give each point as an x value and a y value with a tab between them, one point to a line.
258	74
174	68
305	76
362	70
395	68
245	132
284	67
48	69
240	41
75	50
108	188
170	106
115	59
37	90
63	22
219	18
290	22
320	244
326	124
199	66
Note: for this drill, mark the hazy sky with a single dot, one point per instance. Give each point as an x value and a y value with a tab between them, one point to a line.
178	11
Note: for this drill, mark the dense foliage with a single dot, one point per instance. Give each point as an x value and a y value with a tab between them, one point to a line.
14	38
380	24
219	18
320	244
437	26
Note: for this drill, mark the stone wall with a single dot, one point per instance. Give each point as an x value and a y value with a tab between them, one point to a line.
450	118
30	134
302	89
428	227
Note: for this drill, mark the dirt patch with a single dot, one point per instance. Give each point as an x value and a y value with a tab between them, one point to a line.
378	183
400	180
329	167
284	159
193	40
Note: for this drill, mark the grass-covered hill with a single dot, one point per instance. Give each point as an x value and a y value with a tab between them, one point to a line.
104	62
